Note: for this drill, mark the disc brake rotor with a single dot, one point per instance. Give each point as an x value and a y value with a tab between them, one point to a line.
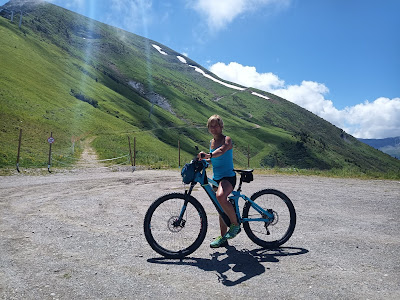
174	225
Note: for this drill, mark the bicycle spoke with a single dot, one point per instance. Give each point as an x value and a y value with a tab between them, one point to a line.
167	233
175	236
277	230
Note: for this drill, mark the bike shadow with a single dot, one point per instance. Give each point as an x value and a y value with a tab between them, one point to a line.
247	262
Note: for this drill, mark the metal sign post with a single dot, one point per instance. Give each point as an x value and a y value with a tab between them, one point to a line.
50	140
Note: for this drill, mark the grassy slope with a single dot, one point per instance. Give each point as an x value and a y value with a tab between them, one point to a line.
35	96
70	52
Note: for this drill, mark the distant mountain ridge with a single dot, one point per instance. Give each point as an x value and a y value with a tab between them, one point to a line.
390	146
379	143
82	78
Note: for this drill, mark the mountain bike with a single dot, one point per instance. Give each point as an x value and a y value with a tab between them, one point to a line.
175	225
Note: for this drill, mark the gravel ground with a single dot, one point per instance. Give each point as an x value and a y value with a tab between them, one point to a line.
79	235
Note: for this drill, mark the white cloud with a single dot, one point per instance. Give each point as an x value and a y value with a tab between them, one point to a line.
309	95
220	13
377	119
247	76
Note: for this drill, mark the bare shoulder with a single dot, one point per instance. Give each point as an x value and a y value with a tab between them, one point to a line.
212	144
228	140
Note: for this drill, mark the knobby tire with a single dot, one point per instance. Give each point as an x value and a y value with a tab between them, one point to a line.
164	236
283	226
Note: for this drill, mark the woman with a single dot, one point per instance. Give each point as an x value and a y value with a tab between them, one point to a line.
222	160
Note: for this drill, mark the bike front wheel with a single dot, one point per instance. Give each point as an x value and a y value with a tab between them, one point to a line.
170	236
277	231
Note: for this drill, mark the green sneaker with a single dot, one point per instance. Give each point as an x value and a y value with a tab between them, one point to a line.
219	242
232	232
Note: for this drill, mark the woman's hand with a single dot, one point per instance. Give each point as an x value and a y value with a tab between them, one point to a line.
201	155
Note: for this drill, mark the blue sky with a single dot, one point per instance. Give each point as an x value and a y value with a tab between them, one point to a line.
339	59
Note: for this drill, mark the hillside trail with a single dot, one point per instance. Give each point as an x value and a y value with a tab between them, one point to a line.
89	158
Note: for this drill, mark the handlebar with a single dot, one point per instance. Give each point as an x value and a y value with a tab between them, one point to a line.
199	163
195	158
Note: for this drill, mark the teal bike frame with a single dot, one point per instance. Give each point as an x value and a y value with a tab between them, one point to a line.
201	178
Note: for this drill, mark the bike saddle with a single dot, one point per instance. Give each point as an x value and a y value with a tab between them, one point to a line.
245	175
248	171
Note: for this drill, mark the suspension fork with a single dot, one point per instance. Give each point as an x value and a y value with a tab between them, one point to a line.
186	197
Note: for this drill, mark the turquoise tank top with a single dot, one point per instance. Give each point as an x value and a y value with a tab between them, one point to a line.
222	165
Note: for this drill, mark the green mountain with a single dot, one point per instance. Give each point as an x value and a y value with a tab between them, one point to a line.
66	74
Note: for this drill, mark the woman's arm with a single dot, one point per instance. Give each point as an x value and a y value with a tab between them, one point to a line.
227	145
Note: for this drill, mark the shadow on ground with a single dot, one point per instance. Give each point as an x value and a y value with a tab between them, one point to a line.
247	262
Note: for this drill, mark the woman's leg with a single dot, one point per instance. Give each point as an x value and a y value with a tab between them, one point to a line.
224	190
222	226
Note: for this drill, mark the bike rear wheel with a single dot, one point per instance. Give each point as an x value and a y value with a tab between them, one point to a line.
166	234
277	232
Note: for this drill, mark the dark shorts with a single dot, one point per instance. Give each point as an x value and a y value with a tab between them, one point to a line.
232	180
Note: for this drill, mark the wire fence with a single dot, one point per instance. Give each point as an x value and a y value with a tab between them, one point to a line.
87	159
70	160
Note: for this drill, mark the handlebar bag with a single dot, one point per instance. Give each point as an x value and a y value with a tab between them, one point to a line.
188	173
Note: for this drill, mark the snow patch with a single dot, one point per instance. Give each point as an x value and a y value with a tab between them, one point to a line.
197	69
159	49
181	59
259	95
216	80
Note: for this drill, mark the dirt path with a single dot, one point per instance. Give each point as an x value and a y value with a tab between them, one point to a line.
80	236
89	157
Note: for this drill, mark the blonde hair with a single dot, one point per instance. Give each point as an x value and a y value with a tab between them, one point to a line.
215	118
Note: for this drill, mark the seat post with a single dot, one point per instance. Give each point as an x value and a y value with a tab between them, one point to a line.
239	189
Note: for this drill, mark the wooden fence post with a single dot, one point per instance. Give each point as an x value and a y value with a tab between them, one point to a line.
19	148
130	153
179	154
73	139
134	151
248	155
